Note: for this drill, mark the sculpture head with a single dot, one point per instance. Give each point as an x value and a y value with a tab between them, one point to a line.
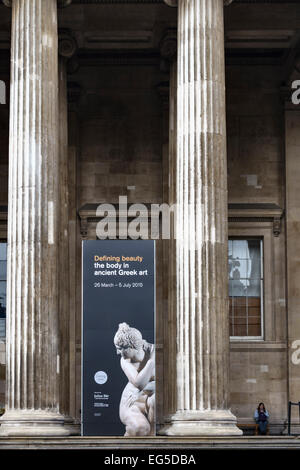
129	342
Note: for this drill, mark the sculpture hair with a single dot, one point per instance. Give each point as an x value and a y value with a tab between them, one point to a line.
127	337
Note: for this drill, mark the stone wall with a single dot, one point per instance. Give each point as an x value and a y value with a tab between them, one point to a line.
256	167
255	132
120	133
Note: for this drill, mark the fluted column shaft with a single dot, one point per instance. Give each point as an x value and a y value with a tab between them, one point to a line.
202	330
170	403
33	360
63	275
202	193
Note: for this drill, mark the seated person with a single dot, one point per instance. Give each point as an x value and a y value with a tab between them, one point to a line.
261	417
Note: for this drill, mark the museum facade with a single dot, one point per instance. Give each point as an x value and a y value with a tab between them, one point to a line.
190	103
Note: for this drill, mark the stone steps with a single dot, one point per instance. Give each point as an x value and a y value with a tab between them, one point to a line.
174	444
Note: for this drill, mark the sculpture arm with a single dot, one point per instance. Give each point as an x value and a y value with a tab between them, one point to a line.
150	387
138	379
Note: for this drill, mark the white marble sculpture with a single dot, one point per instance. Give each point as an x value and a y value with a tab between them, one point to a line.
137	405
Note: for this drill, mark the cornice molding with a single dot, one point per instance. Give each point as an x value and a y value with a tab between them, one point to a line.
237	213
117	59
257	212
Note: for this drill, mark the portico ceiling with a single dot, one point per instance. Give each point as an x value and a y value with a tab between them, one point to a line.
256	31
162	1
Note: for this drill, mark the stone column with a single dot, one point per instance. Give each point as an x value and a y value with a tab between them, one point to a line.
168	51
200	319
33	360
170	331
66	49
63	275
75	253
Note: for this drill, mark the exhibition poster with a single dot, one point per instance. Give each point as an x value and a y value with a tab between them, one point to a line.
118	338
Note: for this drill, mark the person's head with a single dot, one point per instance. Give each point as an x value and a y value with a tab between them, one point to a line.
129	342
261	407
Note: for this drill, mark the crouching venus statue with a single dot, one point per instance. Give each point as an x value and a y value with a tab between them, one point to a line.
137	405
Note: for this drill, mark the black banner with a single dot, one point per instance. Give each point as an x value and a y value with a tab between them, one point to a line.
118	338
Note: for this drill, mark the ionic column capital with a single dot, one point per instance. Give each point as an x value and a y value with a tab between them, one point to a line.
64	3
174	3
60	3
67	45
168	45
170	3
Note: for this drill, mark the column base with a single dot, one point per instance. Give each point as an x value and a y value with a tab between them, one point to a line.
201	423
72	425
34	423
